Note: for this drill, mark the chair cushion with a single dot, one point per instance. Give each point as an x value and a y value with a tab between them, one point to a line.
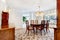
30	27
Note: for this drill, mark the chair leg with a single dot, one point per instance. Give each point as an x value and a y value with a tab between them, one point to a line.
44	32
28	32
36	30
46	29
41	32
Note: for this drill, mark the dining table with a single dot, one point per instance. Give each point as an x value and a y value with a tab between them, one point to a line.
38	26
35	27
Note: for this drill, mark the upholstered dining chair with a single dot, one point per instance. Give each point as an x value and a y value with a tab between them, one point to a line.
47	25
43	24
31	21
41	27
28	27
35	21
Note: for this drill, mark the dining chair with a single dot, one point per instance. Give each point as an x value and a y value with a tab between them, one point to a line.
31	21
47	25
35	21
28	27
41	27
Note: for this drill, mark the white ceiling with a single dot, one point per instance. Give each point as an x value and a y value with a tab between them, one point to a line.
31	4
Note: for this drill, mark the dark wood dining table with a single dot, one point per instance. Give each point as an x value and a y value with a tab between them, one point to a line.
35	26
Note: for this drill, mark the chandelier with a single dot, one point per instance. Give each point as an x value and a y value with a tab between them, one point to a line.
38	13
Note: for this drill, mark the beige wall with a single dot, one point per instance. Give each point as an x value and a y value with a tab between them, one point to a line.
15	13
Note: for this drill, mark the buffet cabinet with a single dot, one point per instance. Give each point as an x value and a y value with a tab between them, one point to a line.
56	33
7	34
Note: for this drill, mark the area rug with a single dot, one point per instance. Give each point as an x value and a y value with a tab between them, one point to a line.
21	35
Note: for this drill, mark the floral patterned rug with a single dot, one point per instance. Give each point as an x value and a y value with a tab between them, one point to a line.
21	35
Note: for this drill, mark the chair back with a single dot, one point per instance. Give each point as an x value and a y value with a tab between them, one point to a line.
31	21
43	22
47	23
27	23
36	21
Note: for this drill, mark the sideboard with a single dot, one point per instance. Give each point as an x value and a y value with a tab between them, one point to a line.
7	34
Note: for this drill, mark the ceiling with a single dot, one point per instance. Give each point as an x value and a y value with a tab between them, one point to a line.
31	5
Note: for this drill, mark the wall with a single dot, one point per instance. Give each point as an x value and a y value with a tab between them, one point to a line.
15	17
1	8
15	14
